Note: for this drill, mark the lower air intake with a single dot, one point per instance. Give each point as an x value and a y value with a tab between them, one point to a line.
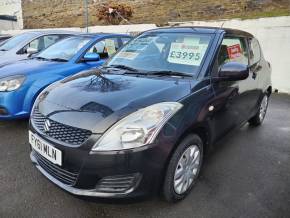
118	184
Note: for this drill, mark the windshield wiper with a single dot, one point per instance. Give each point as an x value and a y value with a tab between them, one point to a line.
40	58
3	49
169	73
58	59
123	67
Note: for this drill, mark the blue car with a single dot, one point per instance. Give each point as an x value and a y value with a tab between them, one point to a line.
20	46
22	81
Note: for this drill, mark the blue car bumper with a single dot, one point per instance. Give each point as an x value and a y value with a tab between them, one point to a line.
12	105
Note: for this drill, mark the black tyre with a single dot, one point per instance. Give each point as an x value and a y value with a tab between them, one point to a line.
183	169
260	115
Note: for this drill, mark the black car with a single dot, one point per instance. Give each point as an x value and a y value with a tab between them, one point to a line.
143	122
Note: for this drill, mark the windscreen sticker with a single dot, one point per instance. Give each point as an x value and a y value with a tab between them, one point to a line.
128	55
110	46
187	53
234	51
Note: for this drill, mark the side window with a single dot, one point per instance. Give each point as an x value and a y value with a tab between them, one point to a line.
255	51
233	49
125	40
42	42
49	40
105	48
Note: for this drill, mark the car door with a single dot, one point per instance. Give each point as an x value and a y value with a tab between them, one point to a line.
256	69
232	103
105	48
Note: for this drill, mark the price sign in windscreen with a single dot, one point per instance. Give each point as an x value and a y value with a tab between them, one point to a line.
188	52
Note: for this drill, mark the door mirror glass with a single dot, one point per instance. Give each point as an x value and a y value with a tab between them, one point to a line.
91	57
233	71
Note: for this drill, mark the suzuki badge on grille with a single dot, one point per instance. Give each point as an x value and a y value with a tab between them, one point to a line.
47	125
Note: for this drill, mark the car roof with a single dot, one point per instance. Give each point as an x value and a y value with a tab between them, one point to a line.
46	32
202	29
97	35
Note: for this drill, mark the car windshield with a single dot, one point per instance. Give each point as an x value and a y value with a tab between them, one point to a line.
64	50
163	52
14	41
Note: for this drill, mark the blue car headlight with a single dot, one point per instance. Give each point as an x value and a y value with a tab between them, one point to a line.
11	83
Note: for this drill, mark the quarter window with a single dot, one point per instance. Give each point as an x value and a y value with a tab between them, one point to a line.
233	49
255	51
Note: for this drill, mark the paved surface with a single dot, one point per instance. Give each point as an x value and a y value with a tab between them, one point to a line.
247	175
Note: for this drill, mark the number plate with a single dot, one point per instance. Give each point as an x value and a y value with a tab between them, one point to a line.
44	149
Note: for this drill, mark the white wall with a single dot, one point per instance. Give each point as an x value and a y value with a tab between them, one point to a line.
274	37
7	24
12	8
129	29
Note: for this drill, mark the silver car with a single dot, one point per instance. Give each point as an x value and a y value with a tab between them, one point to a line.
22	45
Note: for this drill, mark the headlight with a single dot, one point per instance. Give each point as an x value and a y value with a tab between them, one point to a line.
11	83
138	129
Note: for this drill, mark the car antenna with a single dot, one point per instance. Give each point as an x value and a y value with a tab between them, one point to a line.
222	24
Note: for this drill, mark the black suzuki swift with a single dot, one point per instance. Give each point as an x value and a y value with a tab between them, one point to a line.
142	123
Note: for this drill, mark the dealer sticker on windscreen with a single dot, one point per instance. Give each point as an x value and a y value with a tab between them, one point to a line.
44	149
187	53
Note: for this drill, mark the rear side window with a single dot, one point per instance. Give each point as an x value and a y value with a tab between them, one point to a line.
233	49
255	51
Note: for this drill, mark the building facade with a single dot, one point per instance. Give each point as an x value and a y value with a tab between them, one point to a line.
10	14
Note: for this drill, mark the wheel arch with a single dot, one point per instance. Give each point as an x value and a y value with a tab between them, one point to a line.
203	131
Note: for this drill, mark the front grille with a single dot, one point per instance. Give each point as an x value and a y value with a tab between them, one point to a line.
64	176
60	132
117	184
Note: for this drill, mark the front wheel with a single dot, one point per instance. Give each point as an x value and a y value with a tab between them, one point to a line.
183	169
260	116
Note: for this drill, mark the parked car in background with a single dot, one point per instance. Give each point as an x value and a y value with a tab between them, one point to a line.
22	81
3	38
28	43
143	121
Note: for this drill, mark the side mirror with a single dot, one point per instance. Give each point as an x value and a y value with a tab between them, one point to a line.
89	57
30	51
233	71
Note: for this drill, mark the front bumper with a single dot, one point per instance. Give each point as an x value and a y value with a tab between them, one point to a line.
92	169
12	106
77	191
